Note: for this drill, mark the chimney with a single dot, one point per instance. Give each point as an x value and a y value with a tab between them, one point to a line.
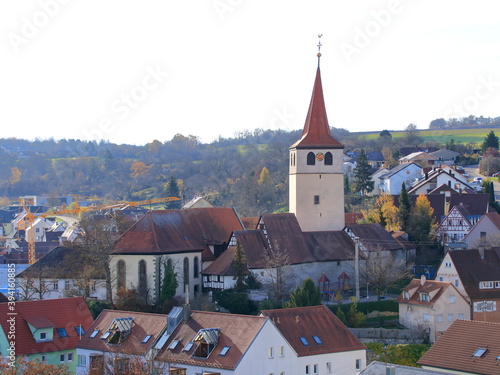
423	279
187	306
390	370
481	251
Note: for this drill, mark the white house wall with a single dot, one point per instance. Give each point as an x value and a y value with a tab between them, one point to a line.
484	225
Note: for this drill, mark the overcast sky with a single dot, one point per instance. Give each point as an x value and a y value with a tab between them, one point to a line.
135	71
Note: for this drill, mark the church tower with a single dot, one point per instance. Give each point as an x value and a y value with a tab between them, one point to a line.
316	179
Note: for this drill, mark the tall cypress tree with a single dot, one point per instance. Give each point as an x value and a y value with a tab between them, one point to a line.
172	190
362	172
240	268
404	210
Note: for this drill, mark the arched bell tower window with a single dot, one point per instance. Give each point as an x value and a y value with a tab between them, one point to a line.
311	159
328	158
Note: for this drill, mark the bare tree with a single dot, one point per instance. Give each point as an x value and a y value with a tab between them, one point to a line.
32	284
277	270
381	270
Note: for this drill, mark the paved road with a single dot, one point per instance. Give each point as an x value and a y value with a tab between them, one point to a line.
473	171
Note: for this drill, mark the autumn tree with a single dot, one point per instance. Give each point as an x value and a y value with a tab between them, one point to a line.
383	212
25	366
421	223
265	193
308	294
362	181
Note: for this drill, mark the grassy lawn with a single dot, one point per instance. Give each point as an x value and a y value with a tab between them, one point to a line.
459	135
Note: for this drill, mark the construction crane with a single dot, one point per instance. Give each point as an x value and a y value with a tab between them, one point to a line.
30	217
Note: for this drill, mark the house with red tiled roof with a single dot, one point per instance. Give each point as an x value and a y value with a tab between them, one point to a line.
311	339
476	275
124	341
467	347
322	344
431	306
485	232
47	330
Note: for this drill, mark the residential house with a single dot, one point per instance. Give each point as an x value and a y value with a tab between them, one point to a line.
476	275
445	157
467	347
392	181
374	158
375	178
420	157
431	306
63	272
485	232
457	224
189	240
46	330
438	177
311	339
197	202
373	237
404	151
124	341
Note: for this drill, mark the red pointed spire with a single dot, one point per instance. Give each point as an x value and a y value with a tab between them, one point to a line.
316	133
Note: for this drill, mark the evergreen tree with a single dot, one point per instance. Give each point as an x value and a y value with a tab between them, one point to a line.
404	210
341	315
491	140
169	283
172	190
362	184
355	318
308	294
240	268
347	188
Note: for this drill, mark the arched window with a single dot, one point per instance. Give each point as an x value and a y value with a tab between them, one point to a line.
196	268
328	158
121	271
186	271
143	279
311	159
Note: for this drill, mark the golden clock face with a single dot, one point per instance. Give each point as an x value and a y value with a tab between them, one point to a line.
319	156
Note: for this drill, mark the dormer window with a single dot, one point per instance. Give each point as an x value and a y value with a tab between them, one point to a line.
424	297
207	339
43	335
406	295
486	285
118	331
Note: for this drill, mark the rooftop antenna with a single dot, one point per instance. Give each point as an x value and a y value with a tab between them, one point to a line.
319	47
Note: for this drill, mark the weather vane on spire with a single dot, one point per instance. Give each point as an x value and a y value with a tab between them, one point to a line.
319	47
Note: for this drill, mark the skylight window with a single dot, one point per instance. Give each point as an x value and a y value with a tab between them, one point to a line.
62	332
106	335
188	347
318	340
79	330
173	344
146	339
479	353
94	334
224	351
304	341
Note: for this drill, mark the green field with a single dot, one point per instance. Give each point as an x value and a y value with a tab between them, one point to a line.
442	136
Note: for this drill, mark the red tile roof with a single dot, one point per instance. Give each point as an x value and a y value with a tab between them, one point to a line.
171	231
472	269
455	349
236	331
429	287
65	313
316	133
143	324
312	321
